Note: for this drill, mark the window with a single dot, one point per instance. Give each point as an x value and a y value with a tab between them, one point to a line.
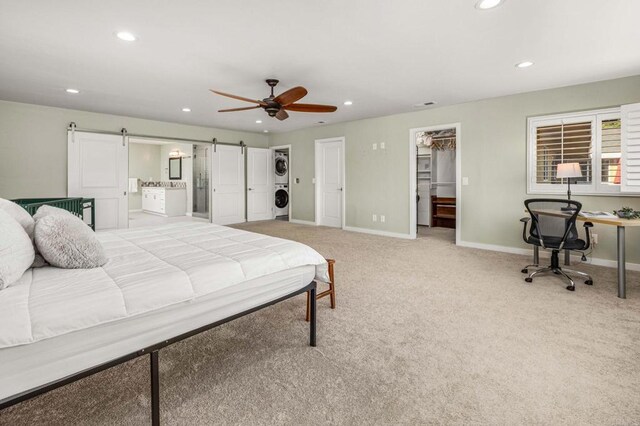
592	139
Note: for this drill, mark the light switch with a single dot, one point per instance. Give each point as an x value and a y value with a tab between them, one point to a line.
375	146
465	181
381	145
382	218
298	180
375	218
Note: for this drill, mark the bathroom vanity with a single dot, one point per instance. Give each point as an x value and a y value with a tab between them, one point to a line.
164	201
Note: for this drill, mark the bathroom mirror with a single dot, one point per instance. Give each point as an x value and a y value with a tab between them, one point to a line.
175	168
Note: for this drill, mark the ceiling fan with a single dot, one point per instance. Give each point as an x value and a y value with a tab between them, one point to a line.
277	106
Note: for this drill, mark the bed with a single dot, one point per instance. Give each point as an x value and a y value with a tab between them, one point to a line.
161	285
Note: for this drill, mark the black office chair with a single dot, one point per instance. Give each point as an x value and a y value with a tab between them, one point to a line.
553	226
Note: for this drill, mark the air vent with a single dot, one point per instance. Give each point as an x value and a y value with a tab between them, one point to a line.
424	104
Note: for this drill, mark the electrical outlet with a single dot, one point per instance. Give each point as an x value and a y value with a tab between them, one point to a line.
382	218
374	218
594	237
375	146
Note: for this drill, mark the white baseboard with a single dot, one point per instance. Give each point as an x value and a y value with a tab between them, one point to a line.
135	211
378	232
189	213
302	222
544	253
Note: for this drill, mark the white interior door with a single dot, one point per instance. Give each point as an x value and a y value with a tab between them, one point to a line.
329	182
98	168
260	189
227	185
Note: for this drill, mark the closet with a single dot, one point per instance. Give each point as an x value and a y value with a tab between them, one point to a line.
436	177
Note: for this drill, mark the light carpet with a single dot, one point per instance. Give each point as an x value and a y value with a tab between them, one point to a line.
425	332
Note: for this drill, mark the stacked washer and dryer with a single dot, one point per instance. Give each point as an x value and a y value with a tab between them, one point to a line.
281	168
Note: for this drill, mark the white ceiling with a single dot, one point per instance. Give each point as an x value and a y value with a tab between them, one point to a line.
385	56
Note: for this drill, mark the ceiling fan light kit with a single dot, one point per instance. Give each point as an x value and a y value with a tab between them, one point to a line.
277	106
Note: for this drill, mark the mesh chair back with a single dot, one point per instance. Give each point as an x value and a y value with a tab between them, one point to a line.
553	221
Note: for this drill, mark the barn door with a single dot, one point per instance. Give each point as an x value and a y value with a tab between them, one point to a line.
98	168
227	185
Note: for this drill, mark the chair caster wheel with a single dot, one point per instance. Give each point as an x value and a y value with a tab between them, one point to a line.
589	282
571	288
524	271
528	279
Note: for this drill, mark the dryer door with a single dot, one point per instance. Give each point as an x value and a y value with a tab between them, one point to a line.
281	166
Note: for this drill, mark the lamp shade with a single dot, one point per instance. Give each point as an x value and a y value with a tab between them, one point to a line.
569	170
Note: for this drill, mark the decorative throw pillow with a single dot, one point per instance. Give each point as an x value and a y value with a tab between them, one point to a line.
65	241
16	250
19	214
49	210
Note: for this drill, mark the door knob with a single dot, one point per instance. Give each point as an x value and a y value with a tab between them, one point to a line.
339	189
250	189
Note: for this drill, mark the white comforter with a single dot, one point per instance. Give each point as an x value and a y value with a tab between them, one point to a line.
148	269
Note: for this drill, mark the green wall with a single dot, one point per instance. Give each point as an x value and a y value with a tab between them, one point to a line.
33	144
493	148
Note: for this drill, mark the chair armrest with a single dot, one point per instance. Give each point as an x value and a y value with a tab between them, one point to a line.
587	230
524	221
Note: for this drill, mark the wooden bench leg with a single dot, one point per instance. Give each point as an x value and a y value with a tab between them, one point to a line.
331	292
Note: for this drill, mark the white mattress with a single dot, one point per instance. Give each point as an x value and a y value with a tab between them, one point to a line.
148	269
25	367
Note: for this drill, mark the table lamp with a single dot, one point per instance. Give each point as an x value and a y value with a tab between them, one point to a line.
568	171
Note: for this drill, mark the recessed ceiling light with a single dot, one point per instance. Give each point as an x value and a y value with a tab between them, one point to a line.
265	131
347	103
258	121
524	64
126	36
74	91
186	109
488	4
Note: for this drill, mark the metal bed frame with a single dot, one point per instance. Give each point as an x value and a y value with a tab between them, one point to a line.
153	352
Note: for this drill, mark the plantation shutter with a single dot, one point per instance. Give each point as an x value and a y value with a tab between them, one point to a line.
564	142
630	127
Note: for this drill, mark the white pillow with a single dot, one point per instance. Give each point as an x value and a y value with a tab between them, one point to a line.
19	214
65	241
16	250
48	210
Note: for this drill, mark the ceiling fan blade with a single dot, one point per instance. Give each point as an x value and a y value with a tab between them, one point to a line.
291	95
238	109
282	115
310	108
240	98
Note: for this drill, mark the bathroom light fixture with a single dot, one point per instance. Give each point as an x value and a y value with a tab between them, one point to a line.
126	36
74	91
186	109
524	64
258	121
175	153
488	4
348	103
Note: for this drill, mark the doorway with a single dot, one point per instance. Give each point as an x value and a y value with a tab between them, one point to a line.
434	173
201	193
330	182
282	182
